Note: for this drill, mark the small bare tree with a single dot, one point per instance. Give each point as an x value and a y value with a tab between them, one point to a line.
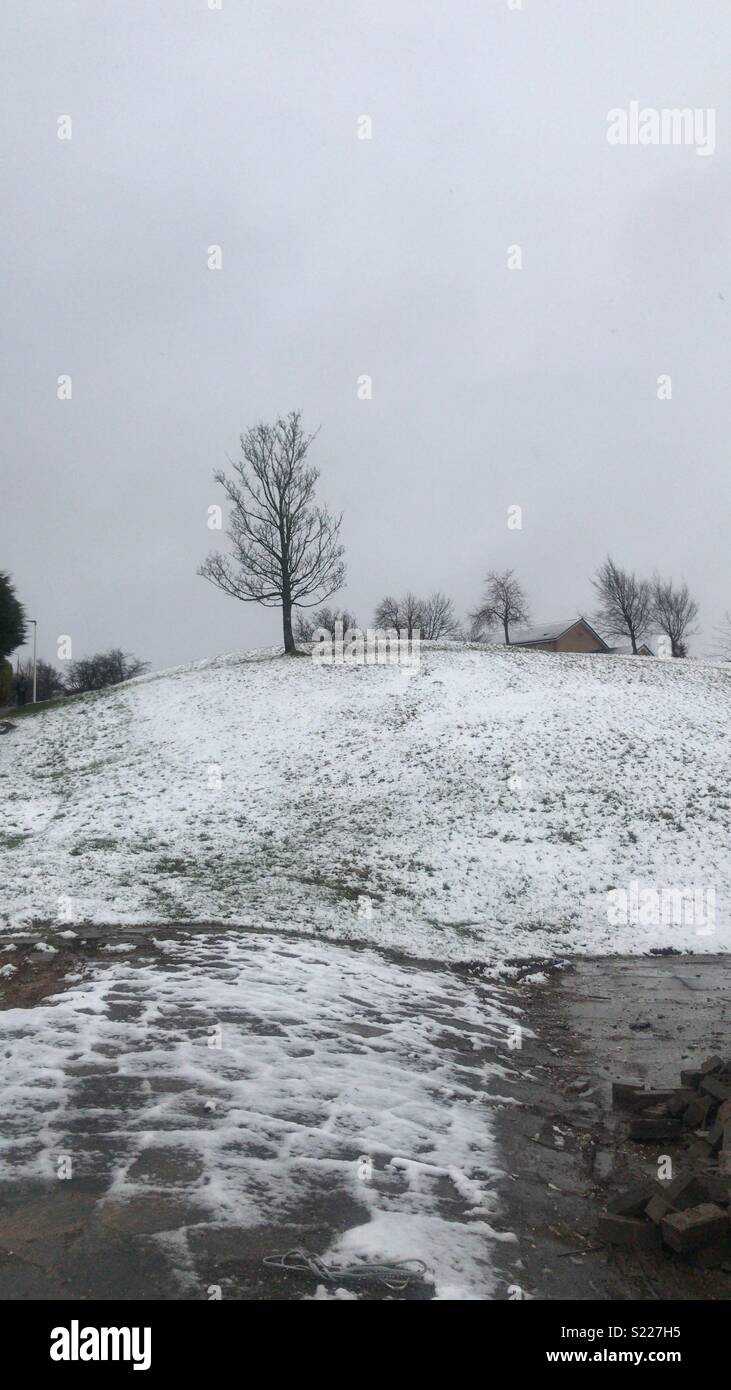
387	613
674	611
625	603
504	603
438	618
325	619
404	614
286	550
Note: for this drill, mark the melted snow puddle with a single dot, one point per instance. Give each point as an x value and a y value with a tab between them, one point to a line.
254	1074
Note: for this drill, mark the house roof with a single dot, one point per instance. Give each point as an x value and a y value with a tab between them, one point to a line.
550	632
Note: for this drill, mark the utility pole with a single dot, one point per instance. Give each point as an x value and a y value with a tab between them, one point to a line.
35	637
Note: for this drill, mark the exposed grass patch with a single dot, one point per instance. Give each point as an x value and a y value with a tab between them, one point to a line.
27	711
172	866
91	846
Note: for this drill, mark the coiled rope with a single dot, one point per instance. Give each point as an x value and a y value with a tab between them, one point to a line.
396	1275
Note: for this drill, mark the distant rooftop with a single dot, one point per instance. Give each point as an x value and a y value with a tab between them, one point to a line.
546	632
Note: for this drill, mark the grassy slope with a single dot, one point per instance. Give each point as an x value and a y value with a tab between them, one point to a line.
485	802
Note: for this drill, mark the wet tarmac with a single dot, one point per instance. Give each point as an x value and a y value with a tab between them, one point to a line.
603	1020
562	1151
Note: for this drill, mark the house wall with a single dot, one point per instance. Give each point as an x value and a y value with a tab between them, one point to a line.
577	639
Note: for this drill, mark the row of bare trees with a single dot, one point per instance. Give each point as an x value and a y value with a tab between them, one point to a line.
286	553
326	620
432	618
632	607
96	672
628	607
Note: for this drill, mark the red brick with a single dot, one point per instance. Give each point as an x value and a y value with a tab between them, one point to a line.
711	1256
716	1188
658	1207
628	1230
685	1191
656	1128
691	1078
714	1086
711	1064
696	1226
627	1096
680	1100
633	1201
715	1135
698	1111
700	1153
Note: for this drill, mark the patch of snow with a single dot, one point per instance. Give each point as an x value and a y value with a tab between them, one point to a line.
322	1292
485	805
327	1069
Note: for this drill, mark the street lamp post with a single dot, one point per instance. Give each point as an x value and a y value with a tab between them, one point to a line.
35	637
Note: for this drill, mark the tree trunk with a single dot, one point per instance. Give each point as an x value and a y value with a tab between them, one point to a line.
289	643
507	634
634	644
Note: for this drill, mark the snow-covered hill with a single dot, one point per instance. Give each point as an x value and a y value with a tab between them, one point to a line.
478	807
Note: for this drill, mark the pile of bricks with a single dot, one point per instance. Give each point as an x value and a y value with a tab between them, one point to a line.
691	1214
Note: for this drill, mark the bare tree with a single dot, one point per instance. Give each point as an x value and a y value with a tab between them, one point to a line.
674	611
504	603
303	628
324	618
286	550
102	670
387	613
438	618
625	603
404	614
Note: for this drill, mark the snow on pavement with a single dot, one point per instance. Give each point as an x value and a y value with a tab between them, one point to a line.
255	1073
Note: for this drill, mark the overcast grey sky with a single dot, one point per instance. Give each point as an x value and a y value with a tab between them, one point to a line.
342	257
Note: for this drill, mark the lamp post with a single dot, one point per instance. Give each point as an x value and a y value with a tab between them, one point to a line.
35	637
